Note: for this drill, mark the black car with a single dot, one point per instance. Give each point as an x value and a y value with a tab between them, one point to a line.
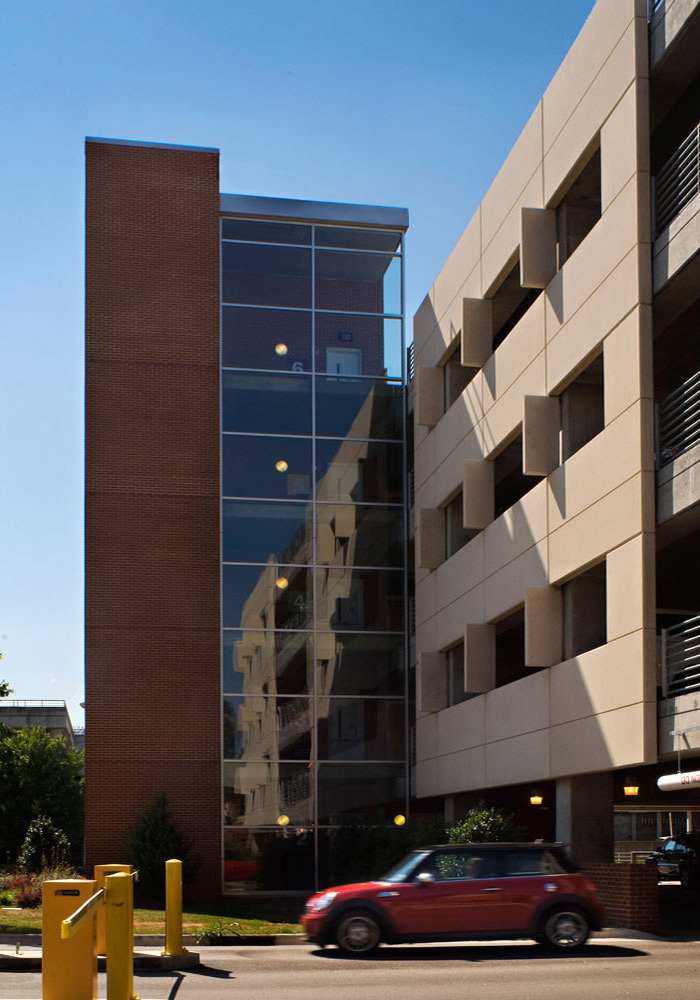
679	859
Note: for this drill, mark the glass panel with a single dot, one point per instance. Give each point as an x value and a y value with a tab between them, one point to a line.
359	471
273	468
272	860
263	532
359	408
360	729
372	793
268	404
361	599
266	597
359	536
267	728
358	345
256	793
348	663
265	232
266	276
268	662
358	239
357	282
275	339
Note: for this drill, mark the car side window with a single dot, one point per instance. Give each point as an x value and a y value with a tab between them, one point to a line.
670	845
457	865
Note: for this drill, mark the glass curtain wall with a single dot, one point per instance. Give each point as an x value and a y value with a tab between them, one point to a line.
313	544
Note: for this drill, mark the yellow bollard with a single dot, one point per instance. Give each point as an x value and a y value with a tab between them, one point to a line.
120	937
173	909
69	967
101	873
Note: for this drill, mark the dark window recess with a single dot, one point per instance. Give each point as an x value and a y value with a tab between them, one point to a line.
585	618
509	482
510	649
454	658
579	210
456	535
457	377
582	415
510	303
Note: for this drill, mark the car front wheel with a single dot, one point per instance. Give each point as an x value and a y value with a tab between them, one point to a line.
564	930
358	933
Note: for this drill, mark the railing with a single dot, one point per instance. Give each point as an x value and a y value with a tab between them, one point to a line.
680	658
678	181
12	703
410	363
653	6
679	420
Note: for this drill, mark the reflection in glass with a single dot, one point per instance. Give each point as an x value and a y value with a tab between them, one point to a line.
250	467
260	531
266	403
358	239
359	535
268	662
359	471
269	859
358	407
267	728
370	793
357	282
265	232
362	599
360	729
266	275
356	664
358	345
276	339
257	792
252	597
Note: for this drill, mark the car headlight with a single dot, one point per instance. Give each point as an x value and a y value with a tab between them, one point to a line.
321	903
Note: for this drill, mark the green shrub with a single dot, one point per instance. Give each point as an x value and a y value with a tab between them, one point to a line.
485	824
359	853
45	846
155	839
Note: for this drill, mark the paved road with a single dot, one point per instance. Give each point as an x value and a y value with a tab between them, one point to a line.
609	969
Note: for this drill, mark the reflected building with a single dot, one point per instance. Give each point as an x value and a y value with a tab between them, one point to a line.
245	520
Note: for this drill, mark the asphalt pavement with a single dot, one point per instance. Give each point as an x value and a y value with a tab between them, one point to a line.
606	969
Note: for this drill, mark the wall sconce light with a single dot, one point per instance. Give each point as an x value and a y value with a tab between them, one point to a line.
282	582
281	466
281	349
631	789
536	800
283	820
399	820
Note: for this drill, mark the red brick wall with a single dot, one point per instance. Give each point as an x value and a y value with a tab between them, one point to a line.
152	630
629	894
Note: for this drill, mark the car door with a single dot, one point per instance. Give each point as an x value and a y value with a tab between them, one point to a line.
529	878
463	899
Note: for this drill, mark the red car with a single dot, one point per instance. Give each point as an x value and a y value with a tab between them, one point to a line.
455	893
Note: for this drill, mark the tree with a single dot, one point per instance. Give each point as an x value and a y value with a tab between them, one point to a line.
40	775
5	689
45	846
484	824
155	839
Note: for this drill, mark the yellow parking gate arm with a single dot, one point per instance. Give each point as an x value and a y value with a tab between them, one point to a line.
75	921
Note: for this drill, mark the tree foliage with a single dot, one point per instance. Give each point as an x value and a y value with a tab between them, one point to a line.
5	689
45	846
155	839
485	824
40	775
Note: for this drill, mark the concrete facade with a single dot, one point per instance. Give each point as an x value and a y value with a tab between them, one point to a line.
550	292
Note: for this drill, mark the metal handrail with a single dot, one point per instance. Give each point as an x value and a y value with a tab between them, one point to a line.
680	658
678	181
29	703
679	420
410	363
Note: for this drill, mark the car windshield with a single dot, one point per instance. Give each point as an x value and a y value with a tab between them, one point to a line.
402	871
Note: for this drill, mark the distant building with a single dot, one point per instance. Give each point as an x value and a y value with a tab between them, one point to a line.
53	716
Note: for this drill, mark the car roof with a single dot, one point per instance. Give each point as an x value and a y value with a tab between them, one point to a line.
500	845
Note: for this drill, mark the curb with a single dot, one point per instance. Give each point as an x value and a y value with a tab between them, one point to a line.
142	961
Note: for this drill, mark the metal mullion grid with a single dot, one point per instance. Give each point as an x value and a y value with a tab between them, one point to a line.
388	379
406	653
288	565
305	309
314	540
322	503
308	437
311	246
222	818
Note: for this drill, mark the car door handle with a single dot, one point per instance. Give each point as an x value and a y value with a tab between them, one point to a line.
381	895
493	889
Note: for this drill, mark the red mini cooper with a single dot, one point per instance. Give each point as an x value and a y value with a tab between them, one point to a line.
455	893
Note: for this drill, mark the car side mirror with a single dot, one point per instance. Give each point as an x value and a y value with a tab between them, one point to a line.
425	878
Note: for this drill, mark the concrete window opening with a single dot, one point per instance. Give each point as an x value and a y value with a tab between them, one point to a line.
510	649
579	210
456	376
510	483
677	383
510	302
584	611
454	662
456	535
582	409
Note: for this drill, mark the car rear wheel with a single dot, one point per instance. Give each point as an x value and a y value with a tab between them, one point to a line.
564	930
358	933
684	876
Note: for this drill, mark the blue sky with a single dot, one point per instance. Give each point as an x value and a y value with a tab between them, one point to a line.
388	102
